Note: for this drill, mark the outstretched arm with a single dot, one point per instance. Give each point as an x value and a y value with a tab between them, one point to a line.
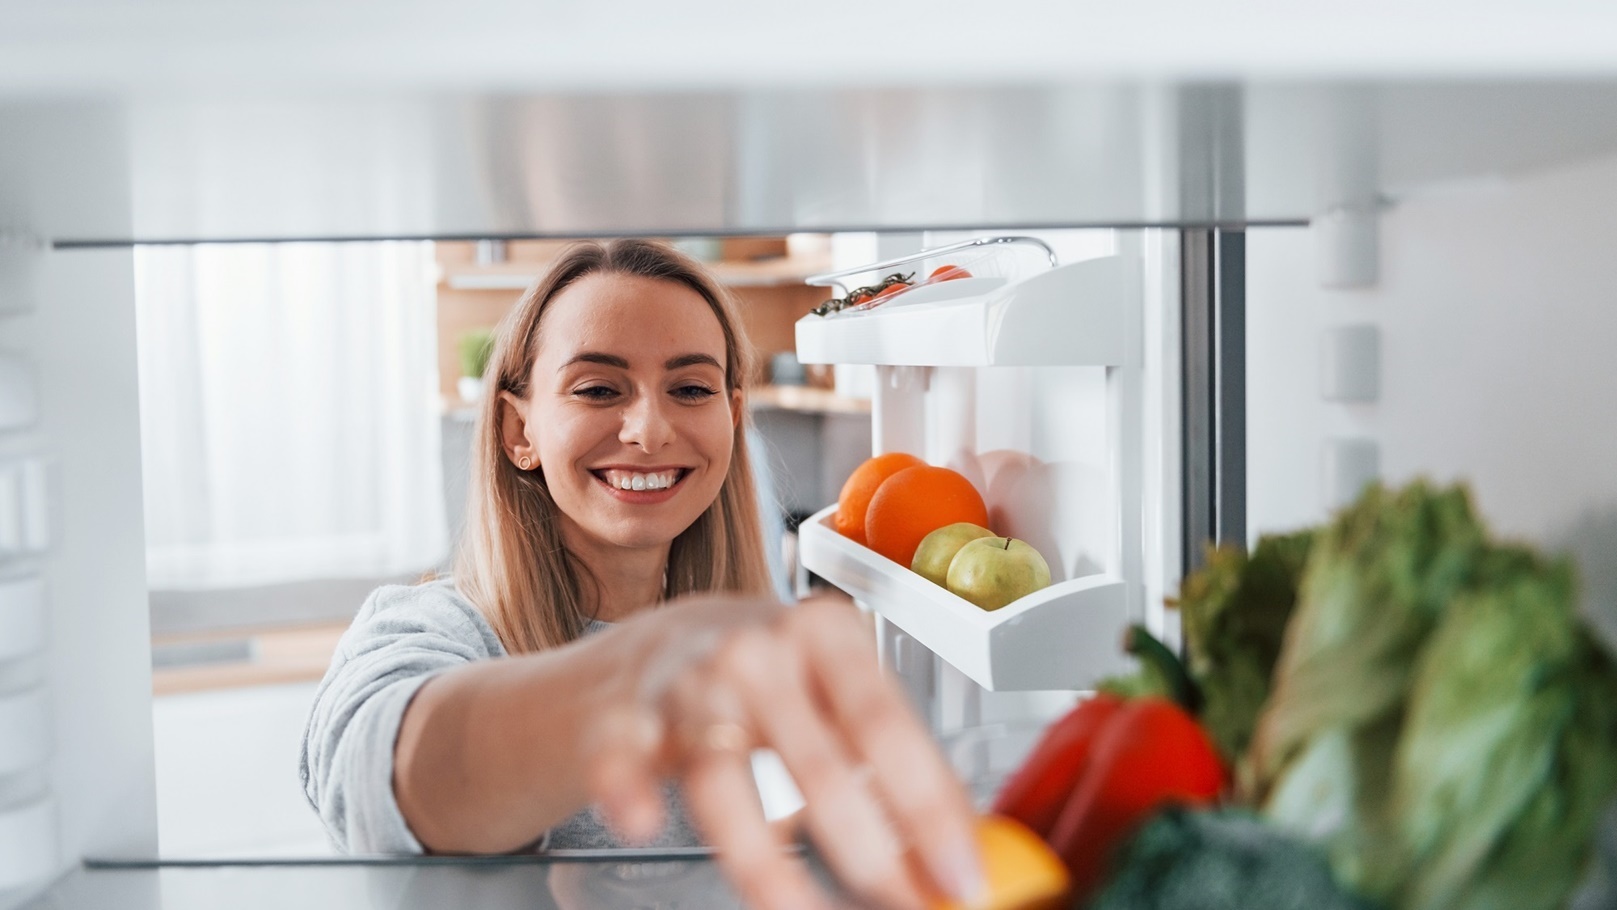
493	753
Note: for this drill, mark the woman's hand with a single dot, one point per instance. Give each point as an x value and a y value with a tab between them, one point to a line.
724	676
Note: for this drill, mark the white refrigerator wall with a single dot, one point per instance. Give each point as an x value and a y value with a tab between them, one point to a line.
72	554
1496	312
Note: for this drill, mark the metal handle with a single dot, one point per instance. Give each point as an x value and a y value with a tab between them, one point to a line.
831	278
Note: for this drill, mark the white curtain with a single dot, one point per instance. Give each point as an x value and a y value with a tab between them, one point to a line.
289	412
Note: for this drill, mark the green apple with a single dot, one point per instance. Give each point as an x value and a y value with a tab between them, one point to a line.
938	549
993	571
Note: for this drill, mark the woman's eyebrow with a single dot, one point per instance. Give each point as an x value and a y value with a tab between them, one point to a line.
611	360
687	360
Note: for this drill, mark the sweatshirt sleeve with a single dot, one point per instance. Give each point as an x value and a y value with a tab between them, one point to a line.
400	638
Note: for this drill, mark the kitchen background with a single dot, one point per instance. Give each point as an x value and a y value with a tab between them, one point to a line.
306	413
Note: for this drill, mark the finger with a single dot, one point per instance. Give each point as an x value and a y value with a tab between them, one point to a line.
723	801
928	803
848	823
622	754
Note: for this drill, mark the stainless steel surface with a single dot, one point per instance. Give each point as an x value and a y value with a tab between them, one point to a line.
1213	344
592	885
430	164
1198	434
564	880
1229	373
830	278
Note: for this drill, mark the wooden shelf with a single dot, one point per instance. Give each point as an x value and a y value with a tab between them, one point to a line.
286	655
519	276
805	399
778	272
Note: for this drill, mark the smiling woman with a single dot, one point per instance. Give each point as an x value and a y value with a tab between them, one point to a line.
624	360
608	653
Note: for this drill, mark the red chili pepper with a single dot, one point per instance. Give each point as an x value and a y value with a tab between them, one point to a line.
1147	755
1035	794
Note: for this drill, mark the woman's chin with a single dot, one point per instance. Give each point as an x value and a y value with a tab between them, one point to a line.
643	535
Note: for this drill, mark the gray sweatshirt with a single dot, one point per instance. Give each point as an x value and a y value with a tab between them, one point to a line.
402	636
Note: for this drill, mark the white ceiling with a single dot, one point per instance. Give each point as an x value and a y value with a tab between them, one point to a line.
162	46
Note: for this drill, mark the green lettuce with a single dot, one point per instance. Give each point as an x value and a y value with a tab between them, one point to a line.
1506	758
1441	722
1378	578
1234	612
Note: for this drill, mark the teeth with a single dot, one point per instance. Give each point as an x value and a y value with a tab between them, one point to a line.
625	480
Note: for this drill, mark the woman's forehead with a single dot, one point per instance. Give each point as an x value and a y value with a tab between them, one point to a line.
632	317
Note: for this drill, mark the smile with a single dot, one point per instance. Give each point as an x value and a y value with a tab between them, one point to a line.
641	486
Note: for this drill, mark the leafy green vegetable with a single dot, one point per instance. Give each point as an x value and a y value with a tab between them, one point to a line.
1377	579
1185	860
1441	723
1599	888
1506	758
1234	612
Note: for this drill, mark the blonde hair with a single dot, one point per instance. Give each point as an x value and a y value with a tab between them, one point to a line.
511	561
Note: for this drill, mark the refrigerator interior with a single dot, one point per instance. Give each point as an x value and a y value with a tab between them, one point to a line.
1466	224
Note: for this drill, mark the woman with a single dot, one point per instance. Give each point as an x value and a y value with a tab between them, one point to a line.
612	560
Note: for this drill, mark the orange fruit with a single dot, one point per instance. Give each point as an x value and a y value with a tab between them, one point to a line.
861	485
915	502
1020	871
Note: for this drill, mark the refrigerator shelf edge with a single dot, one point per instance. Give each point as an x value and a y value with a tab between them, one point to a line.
1068	316
1067	636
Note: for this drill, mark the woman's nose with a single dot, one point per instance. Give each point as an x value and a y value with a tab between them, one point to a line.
646	424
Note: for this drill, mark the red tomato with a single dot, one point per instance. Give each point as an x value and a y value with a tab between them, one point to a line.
948	273
892	289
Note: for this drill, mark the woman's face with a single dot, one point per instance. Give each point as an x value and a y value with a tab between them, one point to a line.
628	416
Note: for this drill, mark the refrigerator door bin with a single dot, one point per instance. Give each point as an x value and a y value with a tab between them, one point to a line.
1073	315
1066	636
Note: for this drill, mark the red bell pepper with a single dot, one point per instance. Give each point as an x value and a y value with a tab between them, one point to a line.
1035	794
1147	755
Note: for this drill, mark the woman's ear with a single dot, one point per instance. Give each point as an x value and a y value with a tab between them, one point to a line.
736	404
514	433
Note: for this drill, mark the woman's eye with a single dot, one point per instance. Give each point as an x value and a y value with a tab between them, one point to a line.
596	392
695	392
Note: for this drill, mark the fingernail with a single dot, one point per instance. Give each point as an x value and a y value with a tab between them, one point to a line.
959	869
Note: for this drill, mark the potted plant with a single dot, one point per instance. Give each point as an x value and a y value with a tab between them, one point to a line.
474	347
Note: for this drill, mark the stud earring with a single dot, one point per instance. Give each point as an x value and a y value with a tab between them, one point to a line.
524	462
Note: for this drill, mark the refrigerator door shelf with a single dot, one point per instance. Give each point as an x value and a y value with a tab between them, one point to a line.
1068	316
1067	636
